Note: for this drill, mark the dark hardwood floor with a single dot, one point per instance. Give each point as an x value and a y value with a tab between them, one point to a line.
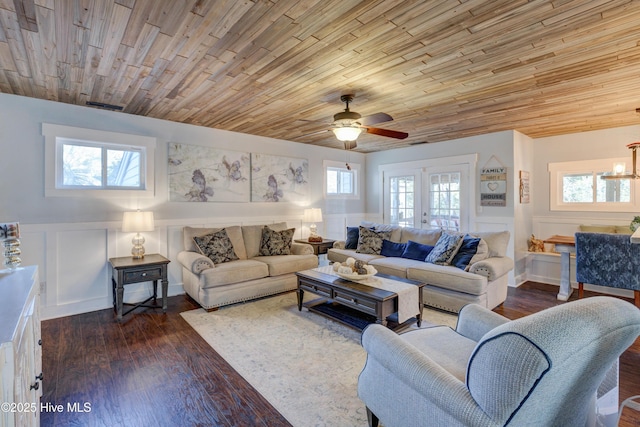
154	369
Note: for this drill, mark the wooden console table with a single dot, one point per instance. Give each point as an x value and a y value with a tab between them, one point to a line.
566	245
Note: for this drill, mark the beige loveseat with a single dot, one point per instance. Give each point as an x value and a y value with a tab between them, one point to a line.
251	276
448	288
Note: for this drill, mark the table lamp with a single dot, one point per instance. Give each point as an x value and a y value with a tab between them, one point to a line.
313	215
135	222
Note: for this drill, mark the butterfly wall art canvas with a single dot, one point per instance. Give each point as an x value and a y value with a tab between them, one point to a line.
205	174
279	179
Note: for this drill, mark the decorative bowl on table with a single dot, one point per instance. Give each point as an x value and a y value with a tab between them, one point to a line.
355	276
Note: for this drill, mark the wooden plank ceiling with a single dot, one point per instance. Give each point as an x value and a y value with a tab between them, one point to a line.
443	69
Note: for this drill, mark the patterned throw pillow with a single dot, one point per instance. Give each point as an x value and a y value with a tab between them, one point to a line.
370	242
216	246
276	242
445	249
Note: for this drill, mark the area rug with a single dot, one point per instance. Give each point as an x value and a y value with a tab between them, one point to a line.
304	364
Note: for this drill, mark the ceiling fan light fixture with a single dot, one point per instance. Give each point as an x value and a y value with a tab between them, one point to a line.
347	133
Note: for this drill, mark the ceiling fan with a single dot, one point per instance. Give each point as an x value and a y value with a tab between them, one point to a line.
348	125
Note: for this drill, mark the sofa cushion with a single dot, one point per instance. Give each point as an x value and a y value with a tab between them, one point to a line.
341	255
390	248
426	237
444	346
216	246
448	277
498	241
285	264
623	229
233	272
252	235
234	232
598	228
467	250
370	241
395	230
276	242
394	266
352	238
417	251
445	249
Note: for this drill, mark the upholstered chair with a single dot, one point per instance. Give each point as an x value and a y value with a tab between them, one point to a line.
540	370
607	259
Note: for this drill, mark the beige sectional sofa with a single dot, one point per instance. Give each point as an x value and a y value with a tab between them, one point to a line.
448	288
250	276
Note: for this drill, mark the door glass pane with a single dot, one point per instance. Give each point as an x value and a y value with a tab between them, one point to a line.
401	200
445	201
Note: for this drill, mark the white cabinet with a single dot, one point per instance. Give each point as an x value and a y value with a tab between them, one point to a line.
20	348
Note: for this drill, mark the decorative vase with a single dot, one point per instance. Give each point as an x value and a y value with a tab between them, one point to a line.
12	253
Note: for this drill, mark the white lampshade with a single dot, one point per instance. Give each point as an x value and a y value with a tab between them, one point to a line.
135	222
312	215
347	133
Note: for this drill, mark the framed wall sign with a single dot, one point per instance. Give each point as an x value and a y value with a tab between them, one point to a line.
493	184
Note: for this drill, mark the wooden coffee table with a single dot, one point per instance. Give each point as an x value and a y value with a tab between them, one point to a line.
352	303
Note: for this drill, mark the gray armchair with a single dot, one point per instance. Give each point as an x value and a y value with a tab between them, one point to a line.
540	370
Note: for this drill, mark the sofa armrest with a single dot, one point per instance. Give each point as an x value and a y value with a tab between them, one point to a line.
339	244
195	262
301	249
474	321
493	267
405	363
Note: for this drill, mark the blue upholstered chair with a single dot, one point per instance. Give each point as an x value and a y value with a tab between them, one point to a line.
606	259
540	370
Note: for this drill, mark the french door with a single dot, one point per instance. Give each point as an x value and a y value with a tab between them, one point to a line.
443	198
432	197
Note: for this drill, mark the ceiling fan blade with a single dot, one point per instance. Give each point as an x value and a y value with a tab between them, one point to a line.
374	119
386	132
314	133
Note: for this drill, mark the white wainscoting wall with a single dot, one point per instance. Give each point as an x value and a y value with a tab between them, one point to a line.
73	257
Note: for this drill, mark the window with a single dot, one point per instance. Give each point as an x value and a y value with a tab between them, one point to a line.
84	162
86	165
401	199
577	186
444	203
341	182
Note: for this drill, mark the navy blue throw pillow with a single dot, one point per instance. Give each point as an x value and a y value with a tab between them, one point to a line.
394	249
466	252
417	251
353	233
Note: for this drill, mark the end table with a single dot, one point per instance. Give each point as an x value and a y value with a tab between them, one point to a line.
319	248
127	270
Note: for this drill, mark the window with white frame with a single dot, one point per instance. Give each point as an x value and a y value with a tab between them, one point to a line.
444	200
578	186
402	200
85	162
341	180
